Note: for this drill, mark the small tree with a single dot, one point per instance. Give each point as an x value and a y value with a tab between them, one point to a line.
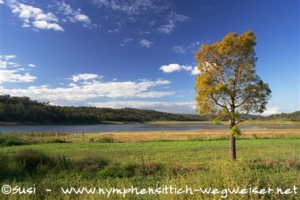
227	85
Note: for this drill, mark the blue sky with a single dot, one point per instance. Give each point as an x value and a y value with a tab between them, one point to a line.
139	53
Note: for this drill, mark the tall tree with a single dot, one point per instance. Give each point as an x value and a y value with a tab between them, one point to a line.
227	85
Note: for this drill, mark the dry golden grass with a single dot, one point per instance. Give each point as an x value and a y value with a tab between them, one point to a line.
143	136
270	122
246	122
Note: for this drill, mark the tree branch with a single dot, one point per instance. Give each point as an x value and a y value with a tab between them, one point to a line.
217	103
242	120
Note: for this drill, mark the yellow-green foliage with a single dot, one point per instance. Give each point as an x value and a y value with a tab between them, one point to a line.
227	84
235	131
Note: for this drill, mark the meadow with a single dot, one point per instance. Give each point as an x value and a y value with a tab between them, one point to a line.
150	165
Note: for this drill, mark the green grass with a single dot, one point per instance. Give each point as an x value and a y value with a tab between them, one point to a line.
184	151
102	162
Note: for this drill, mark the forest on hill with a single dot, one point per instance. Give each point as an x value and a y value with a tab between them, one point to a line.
23	110
294	116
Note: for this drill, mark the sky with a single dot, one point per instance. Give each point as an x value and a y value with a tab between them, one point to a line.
139	53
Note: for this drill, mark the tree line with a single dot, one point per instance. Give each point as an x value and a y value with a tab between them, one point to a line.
294	116
26	111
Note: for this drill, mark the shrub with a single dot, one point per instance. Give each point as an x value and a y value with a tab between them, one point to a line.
106	139
11	140
90	164
58	140
119	171
4	166
30	161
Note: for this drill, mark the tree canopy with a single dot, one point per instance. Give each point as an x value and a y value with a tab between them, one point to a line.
228	85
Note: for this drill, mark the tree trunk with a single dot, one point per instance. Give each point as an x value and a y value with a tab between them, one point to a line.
232	151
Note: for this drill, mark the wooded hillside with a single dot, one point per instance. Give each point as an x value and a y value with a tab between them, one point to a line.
294	116
24	110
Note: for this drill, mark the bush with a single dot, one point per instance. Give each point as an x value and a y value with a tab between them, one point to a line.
106	139
4	166
90	164
119	171
30	161
11	140
57	140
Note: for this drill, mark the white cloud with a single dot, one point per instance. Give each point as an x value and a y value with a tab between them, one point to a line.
173	20
167	28
132	7
82	18
85	77
1	2
12	72
73	15
126	41
90	89
176	67
183	49
170	68
45	17
34	17
15	76
46	25
177	17
270	111
157	14
179	49
31	65
114	31
7	57
5	61
145	43
170	107
195	71
187	68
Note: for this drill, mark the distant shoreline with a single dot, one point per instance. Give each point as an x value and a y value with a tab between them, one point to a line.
247	122
70	123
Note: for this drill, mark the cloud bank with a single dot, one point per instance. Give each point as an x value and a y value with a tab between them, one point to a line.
87	86
273	110
170	107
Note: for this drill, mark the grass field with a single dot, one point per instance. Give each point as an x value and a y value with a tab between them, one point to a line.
268	165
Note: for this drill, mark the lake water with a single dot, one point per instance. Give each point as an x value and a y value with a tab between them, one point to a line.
127	127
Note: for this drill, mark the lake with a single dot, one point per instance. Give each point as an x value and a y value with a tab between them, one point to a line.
129	127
